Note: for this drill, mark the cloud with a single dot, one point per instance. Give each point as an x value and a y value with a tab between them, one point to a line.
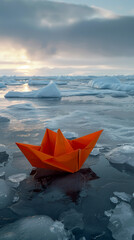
51	30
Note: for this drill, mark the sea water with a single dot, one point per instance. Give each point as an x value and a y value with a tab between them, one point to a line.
95	203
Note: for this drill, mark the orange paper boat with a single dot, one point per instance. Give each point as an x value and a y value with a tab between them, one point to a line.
58	153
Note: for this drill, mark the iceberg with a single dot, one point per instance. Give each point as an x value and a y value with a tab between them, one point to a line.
50	91
113	83
105	83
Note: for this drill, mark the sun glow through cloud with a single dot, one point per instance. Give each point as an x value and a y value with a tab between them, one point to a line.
64	37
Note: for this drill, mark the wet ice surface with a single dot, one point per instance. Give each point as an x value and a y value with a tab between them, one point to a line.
72	205
121	221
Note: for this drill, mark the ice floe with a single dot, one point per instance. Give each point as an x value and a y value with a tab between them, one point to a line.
121	221
4	154
121	155
5	194
123	196
95	152
49	91
114	200
17	178
36	227
72	219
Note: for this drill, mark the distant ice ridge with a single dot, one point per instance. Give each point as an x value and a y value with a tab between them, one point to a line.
110	82
50	91
122	155
44	82
10	81
36	227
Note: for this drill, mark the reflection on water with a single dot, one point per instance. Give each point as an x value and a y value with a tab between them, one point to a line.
70	184
64	196
25	88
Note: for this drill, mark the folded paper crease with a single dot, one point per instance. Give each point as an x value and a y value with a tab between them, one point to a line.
58	153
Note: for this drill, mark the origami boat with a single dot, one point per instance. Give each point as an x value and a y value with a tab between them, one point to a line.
58	153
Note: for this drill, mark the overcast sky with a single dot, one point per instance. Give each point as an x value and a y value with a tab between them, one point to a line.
69	37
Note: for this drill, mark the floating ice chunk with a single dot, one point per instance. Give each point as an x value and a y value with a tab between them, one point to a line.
114	200
24	106
121	155
2	85
15	199
2	148
17	178
36	227
72	219
95	152
5	194
123	196
3	154
121	222
105	83
70	135
2	174
108	213
4	119
50	91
